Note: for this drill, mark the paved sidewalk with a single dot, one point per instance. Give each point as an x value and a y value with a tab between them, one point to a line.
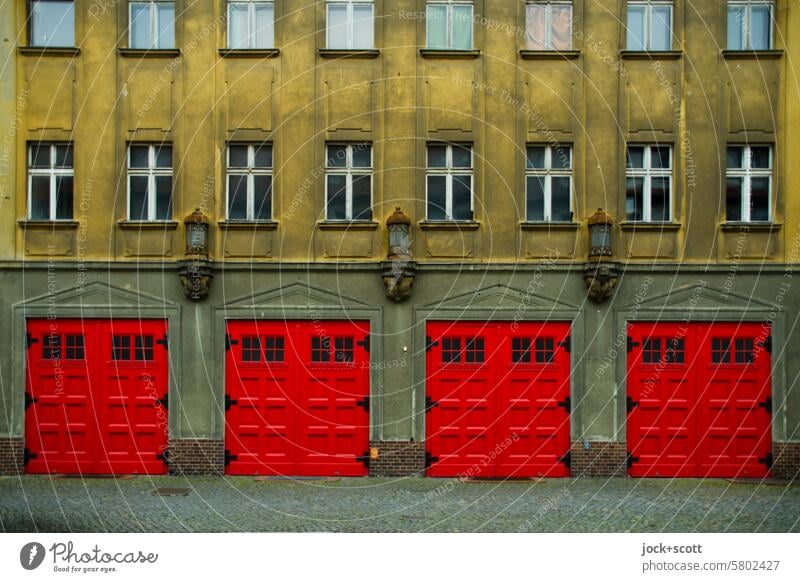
395	505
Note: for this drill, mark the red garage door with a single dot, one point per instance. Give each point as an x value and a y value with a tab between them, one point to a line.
96	397
699	400
498	399
297	398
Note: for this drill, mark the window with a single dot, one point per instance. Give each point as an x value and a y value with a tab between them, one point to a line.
449	24
144	347
749	184
149	182
548	26
75	347
152	25
249	189
52	23
649	183
251	24
320	349
651	351
51	177
675	352
451	349
474	350
720	350
750	25
350	25
545	350
348	182
121	347
273	349
343	349
51	347
744	351
649	25
251	348
449	182
520	350
548	177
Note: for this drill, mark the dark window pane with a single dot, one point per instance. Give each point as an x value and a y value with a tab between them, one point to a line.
735	157
474	350
759	158
535	157
262	200
535	196
362	197
362	156
64	156
733	199
121	347
451	349
560	203
462	197
462	156
561	158
635	157
138	198
163	197
237	197
51	347
320	349
337	156
40	197
263	156
337	197
744	351
75	348
720	350
237	156
164	157
139	157
143	347
437	196
545	350
437	156
759	199
651	351
40	156
660	157
520	350
634	208
675	351
343	349
659	199
273	349
64	186
251	349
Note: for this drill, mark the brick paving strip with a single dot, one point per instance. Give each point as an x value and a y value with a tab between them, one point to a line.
34	503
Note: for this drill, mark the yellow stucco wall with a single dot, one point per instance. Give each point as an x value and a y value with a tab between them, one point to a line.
792	149
597	100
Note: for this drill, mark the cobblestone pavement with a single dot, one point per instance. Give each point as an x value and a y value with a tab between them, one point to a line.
395	505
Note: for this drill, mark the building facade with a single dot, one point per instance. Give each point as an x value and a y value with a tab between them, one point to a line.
196	264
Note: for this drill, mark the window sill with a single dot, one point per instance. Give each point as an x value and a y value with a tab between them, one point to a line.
56	51
750	226
347	225
529	55
450	225
49	224
249	53
549	225
149	53
247	225
449	54
652	55
633	225
349	54
753	55
147	224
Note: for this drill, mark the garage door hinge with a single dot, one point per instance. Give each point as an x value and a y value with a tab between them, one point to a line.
229	402
229	342
30	340
229	457
566	404
164	341
767	460
164	402
430	404
29	400
363	459
768	344
363	403
630	460
766	405
27	455
164	457
631	344
566	459
567	344
430	459
429	343
630	404
365	343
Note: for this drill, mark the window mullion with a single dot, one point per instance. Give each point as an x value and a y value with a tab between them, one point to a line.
350	25
153	25
448	196
348	200
746	195
251	194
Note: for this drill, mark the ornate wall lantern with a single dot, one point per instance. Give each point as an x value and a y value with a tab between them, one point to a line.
195	273
399	271
600	274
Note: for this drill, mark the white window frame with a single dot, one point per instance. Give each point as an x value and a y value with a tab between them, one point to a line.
251	22
746	33
648	173
52	172
151	172
153	23
350	22
748	173
548	20
449	17
548	172
348	172
648	19
251	172
449	172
